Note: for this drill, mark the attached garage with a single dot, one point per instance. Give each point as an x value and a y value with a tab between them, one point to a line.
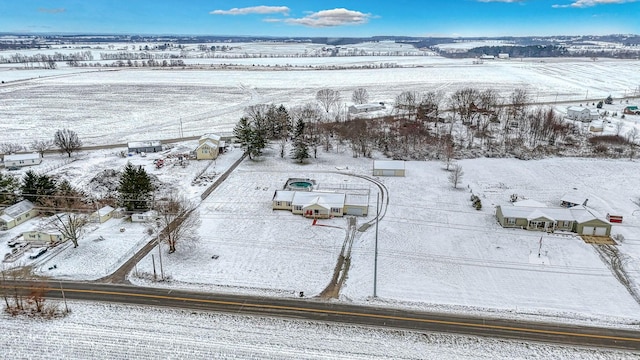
594	227
388	168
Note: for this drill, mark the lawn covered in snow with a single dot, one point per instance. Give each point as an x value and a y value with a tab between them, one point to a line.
435	249
112	331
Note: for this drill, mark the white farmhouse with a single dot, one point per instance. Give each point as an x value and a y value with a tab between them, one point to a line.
579	113
20	160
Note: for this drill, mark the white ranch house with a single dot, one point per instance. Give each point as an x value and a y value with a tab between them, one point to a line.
20	160
144	146
579	113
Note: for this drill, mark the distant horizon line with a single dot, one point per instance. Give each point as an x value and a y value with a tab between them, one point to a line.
105	34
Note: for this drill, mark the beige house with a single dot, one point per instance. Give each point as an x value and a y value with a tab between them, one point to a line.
315	204
209	147
43	237
578	219
17	214
103	214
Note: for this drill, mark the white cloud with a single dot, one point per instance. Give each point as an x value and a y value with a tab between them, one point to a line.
330	18
590	3
253	10
52	11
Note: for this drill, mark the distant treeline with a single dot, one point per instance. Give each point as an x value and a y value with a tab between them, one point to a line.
535	51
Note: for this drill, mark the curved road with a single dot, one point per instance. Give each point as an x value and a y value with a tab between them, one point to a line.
315	310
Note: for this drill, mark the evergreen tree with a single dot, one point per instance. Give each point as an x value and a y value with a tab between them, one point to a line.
298	129
8	186
300	150
135	188
252	138
37	188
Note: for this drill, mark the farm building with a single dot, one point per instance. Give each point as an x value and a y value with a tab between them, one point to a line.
20	160
388	168
571	200
316	204
144	146
578	219
583	114
365	108
209	147
103	214
17	214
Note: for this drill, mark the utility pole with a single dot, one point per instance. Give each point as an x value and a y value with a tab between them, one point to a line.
375	256
181	132
66	308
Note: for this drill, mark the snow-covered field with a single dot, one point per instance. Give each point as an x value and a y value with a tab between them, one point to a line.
111	331
124	105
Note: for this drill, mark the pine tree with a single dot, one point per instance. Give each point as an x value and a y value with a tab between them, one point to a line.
36	188
135	188
8	186
300	150
252	138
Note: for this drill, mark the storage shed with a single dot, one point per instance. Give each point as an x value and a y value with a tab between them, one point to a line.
103	214
388	168
144	146
20	160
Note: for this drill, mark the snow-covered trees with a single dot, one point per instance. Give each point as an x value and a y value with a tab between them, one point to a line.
455	176
360	96
37	188
67	141
250	136
135	189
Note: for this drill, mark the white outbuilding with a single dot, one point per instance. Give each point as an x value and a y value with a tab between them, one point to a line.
388	168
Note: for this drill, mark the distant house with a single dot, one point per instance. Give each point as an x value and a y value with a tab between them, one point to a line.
17	214
209	147
579	113
321	205
487	57
20	160
144	146
365	108
631	110
503	56
103	214
579	219
571	200
388	168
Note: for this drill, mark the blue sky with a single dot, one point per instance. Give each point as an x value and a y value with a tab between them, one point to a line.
324	18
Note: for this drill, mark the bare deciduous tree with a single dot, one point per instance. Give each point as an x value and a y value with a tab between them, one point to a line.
360	96
41	146
10	148
71	226
455	176
178	219
67	141
328	98
407	102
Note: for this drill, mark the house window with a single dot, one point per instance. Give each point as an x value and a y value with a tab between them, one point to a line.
511	221
298	207
564	224
335	210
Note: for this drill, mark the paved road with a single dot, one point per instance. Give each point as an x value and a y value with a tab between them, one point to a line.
316	310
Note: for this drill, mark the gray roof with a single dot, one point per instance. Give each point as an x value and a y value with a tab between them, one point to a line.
17	157
141	144
18	209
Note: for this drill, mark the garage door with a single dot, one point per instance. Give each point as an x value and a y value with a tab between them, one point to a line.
355	211
601	231
388	173
587	230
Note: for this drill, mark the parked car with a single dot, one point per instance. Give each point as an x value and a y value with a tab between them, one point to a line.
13	243
38	254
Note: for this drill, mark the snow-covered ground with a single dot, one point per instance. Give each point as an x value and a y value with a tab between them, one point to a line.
111	331
435	250
125	105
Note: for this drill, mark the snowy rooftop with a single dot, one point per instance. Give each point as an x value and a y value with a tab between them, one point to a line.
529	203
17	157
574	199
306	198
214	137
388	164
208	143
105	210
579	214
139	144
19	208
